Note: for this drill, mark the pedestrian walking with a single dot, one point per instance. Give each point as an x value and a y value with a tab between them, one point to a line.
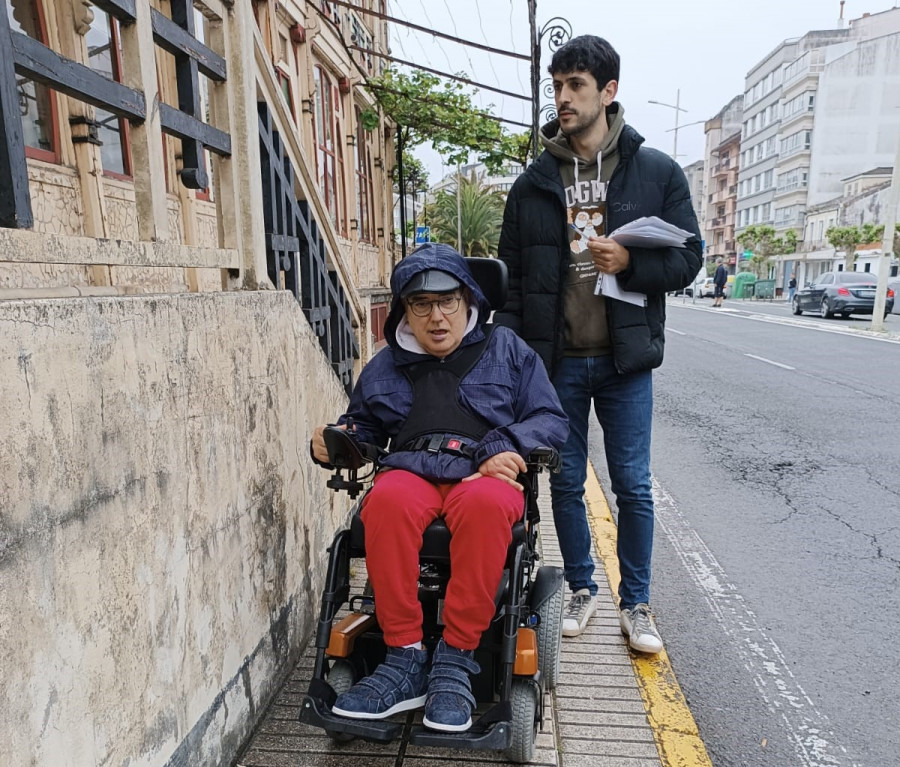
595	170
792	286
720	280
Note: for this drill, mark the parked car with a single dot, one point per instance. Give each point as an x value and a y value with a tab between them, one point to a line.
843	293
706	288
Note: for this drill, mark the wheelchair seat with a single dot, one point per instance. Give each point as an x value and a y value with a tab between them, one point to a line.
435	540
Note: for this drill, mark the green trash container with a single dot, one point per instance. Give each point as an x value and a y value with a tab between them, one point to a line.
743	285
764	289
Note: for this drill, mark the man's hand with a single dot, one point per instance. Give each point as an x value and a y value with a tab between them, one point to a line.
318	443
506	466
608	255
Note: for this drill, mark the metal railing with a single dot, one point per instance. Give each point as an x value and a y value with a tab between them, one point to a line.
297	256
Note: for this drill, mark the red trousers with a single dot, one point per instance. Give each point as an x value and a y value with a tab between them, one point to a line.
479	514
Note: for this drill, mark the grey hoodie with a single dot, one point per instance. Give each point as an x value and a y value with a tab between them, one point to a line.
586	332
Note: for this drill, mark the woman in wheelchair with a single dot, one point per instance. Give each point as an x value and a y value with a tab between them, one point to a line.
461	403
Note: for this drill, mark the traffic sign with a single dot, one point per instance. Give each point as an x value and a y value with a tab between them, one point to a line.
423	234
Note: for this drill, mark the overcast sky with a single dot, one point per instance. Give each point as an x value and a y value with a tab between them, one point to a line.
702	47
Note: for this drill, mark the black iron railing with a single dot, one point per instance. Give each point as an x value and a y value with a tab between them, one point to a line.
297	256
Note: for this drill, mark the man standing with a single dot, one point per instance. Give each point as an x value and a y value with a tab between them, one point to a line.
720	280
792	287
592	177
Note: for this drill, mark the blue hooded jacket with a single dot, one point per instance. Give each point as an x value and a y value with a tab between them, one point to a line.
508	387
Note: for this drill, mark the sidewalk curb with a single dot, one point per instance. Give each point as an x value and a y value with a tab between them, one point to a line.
674	729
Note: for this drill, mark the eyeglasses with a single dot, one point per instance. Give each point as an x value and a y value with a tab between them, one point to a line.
422	307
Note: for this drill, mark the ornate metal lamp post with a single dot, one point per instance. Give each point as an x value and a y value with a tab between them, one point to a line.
558	32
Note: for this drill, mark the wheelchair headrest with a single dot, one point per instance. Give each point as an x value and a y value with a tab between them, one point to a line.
491	276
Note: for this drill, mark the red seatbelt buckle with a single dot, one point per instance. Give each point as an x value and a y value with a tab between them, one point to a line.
454	444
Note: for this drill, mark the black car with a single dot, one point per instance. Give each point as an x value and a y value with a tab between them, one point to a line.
843	293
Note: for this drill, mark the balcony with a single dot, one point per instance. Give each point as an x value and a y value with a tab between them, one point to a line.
793	186
722	167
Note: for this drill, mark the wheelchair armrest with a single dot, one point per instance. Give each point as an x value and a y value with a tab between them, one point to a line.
345	452
543	457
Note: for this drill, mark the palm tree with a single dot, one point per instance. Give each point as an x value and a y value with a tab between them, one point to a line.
482	215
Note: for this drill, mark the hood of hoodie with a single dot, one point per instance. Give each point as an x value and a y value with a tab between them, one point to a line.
557	143
433	256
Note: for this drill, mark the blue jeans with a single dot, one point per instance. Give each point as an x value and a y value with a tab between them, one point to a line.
624	408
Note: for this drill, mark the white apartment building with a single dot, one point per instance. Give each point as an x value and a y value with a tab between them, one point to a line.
858	106
779	104
817	110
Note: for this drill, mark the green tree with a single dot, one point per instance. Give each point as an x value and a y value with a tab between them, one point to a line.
427	109
849	238
481	209
415	175
765	243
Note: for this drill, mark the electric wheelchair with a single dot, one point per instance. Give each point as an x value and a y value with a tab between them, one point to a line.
519	653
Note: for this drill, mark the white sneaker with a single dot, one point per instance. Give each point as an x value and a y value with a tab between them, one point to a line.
640	629
580	608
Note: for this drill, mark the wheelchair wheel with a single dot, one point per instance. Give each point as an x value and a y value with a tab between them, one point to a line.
549	636
523	698
341	678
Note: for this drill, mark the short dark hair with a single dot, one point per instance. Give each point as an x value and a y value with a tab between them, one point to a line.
587	53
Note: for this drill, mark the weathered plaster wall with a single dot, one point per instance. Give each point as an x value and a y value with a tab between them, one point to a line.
162	529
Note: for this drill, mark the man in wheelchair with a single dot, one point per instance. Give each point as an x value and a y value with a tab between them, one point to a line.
461	402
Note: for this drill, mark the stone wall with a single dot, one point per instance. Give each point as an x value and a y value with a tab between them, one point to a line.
162	529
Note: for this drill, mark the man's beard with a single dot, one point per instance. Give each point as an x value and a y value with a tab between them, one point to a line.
583	122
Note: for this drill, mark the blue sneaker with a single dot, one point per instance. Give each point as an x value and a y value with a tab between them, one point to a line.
450	701
397	685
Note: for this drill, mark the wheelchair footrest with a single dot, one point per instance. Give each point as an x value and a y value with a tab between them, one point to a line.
496	737
314	711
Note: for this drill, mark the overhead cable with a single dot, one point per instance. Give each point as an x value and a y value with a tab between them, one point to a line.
395	20
466	80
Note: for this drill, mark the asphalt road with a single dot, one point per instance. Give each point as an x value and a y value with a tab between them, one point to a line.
776	462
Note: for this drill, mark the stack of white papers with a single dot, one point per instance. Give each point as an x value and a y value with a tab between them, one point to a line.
650	232
646	232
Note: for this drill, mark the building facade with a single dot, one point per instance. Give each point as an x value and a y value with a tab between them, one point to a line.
722	156
193	206
695	173
779	107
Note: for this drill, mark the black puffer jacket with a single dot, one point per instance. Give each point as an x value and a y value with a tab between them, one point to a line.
534	243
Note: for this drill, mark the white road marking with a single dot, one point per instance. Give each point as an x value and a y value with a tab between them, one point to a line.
770	362
743	314
676	332
758	652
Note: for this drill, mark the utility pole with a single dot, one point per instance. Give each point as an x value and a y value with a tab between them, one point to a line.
677	107
887	243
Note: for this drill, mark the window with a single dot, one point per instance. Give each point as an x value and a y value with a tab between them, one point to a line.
365	194
105	56
284	82
37	103
329	155
767	179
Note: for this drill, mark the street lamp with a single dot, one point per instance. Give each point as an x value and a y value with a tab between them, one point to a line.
678	108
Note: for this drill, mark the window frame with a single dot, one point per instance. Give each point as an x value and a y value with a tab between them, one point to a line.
36	153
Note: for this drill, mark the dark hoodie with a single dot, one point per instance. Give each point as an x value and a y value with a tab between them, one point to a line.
586	332
508	387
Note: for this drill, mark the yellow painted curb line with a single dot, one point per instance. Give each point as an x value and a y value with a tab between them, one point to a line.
674	729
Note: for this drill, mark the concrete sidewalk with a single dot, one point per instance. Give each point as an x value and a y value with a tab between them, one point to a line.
595	718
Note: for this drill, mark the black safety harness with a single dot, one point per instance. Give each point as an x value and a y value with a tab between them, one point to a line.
437	422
